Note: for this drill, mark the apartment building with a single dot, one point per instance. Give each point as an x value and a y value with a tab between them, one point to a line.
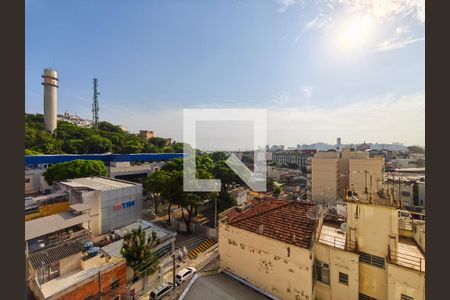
269	246
372	254
293	157
332	173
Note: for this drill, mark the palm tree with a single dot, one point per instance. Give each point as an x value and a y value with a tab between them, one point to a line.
137	250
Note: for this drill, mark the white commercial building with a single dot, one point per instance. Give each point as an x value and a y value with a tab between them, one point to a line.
112	203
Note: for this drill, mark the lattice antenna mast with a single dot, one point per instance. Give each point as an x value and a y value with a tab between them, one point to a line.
95	107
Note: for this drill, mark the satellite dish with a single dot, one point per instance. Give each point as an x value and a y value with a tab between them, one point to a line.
344	227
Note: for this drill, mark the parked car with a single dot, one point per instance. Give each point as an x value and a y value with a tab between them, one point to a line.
161	290
184	275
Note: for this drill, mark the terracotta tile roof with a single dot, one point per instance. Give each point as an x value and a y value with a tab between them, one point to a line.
283	220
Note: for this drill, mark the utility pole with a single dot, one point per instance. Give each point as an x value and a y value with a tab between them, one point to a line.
174	265
100	284
95	107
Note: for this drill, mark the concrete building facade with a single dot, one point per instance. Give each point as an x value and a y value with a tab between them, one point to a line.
333	173
113	203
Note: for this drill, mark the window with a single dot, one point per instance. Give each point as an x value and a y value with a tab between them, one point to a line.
27	179
115	284
405	297
343	278
322	271
365	297
373	260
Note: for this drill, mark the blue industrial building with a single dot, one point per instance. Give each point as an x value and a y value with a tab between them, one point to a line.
33	160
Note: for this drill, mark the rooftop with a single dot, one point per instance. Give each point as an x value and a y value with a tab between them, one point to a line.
331	235
98	183
408	255
59	284
114	248
282	220
220	286
60	251
46	225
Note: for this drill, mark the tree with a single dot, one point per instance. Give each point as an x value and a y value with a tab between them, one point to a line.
32	152
277	191
225	201
97	144
133	146
74	169
105	126
158	141
137	251
157	185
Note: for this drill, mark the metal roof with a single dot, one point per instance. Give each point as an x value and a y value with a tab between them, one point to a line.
46	225
98	183
45	257
60	158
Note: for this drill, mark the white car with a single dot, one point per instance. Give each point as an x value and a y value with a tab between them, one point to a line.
184	275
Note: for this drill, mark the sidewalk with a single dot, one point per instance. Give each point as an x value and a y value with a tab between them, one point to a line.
198	263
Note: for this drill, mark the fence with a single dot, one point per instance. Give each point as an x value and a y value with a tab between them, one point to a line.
336	241
407	260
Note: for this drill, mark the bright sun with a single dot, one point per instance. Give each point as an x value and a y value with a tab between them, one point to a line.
353	33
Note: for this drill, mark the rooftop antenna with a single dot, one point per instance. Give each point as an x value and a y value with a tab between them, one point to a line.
95	107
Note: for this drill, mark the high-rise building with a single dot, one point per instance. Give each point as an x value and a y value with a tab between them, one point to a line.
338	143
50	83
334	173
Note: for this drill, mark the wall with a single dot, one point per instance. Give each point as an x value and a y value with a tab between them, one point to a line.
375	168
69	264
405	281
372	281
325	174
35	177
419	234
374	225
339	261
111	217
92	198
265	263
90	287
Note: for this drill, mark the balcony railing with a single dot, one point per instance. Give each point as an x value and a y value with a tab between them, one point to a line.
407	260
336	241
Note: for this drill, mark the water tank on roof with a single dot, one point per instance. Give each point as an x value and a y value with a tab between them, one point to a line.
93	251
88	245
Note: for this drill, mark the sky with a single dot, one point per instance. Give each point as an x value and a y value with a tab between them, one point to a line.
322	69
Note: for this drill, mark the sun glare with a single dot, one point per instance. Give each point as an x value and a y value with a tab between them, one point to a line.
353	33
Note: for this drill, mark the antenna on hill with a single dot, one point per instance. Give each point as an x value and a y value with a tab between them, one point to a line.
95	107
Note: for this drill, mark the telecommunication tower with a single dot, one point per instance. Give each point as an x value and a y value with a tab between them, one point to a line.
95	105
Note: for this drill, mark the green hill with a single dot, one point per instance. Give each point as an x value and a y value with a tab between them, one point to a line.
72	139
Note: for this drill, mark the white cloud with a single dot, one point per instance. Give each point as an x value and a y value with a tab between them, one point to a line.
390	12
401	38
385	9
285	4
381	119
319	22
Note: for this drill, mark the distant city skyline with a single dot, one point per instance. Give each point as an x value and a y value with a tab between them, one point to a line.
322	69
